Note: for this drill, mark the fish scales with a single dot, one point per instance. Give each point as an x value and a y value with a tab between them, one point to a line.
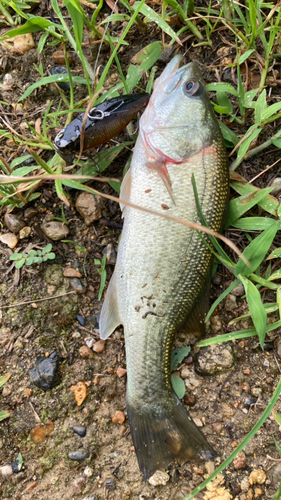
164	267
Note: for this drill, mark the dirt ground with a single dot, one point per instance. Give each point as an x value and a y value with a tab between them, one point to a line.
226	404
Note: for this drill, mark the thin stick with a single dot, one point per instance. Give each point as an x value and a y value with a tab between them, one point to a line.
37	300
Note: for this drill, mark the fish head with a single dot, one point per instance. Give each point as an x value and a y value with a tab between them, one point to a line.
179	120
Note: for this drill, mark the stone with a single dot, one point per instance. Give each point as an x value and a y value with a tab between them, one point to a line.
276	183
240	461
78	485
257	476
9	239
69	272
99	346
80	430
86	352
13	223
7	390
45	374
216	324
78	455
159	478
88	471
213	359
55	230
230	303
119	417
121	372
25	232
29	213
77	286
90	207
6	470
239	290
245	485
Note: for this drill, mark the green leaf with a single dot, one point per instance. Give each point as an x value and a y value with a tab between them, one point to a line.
245	56
221	297
224	101
246	143
62	77
150	14
20	461
268	203
4	414
4	379
228	134
178	386
239	206
29	261
276	254
16	256
147	59
178	355
35	23
270	111
102	283
19	263
276	417
222	87
257	250
51	256
47	248
278	448
260	107
253	223
256	308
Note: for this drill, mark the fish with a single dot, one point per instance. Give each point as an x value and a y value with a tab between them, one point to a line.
104	121
161	281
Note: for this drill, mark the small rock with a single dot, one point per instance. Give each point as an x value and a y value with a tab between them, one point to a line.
240	461
89	341
245	485
86	352
41	432
81	430
247	371
25	232
278	347
256	391
239	290
6	470
79	455
213	359
7	390
119	417
80	319
216	324
13	223
9	239
274	474
110	254
77	286
216	279
90	207
110	484
29	213
230	303
16	468
99	346
198	422
182	492
78	485
55	230
121	372
227	410
45	374
23	43
258	492
217	428
8	80
80	392
277	186
88	471
122	430
257	476
189	399
159	478
69	272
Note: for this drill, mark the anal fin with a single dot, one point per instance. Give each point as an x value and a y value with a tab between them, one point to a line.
109	318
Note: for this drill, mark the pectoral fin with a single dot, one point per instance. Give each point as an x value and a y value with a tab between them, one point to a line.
160	167
125	191
109	318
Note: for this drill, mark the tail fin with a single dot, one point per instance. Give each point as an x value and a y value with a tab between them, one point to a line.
162	434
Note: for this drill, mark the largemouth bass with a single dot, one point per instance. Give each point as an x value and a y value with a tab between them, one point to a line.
161	279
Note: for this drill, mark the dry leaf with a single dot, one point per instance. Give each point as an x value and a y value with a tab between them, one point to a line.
38	125
80	392
21	43
112	6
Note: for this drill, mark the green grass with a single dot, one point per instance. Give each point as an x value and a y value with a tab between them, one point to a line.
245	112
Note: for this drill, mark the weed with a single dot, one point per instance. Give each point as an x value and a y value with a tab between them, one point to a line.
4	413
33	257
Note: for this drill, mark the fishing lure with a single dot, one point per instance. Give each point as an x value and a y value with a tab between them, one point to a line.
104	121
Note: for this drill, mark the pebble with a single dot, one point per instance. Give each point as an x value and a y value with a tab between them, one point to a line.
122	430
77	286
78	484
41	432
9	239
119	417
189	399
13	223
181	492
90	207
6	470
278	347
256	391
78	456
198	422
45	374
99	346
217	428
89	341
213	359
29	213
86	352
7	390
110	254
15	467
159	478
81	430
110	484
55	230
239	290
80	319
57	70
216	279
88	471
216	324
25	232
240	461
121	372
230	303
257	476
258	492
69	272
277	186
245	485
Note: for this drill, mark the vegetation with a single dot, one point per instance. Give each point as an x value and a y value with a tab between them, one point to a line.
249	114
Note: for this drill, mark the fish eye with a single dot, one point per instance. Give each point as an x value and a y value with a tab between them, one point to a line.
192	88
